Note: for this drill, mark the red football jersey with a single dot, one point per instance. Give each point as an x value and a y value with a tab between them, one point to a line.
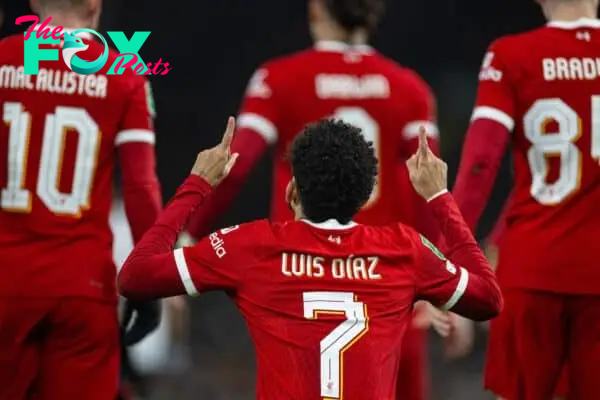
326	304
544	85
342	291
359	85
57	157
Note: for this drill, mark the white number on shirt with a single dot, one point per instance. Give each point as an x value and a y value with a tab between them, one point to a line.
370	129
15	197
560	143
340	339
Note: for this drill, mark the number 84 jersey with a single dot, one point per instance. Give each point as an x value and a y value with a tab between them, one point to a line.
544	86
58	139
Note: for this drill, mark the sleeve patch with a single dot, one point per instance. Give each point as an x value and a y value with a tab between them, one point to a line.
258	86
431	247
488	72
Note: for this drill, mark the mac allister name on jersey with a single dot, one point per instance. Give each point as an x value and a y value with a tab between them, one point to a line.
54	81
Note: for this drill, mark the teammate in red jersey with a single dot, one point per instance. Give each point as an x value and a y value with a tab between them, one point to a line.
543	86
59	334
335	297
493	242
342	77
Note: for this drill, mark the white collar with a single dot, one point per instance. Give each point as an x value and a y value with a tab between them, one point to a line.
85	35
341	47
330	224
580	23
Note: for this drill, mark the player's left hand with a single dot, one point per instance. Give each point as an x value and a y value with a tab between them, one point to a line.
140	318
215	164
428	173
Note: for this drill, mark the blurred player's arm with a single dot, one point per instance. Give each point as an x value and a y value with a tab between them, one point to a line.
257	131
487	138
497	235
135	149
141	193
464	282
423	113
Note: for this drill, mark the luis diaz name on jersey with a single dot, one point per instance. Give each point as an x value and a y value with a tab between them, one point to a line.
73	44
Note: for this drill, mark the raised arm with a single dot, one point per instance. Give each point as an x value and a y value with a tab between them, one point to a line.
257	130
422	114
487	138
463	282
153	270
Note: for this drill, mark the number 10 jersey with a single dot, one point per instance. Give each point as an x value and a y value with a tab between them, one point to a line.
58	144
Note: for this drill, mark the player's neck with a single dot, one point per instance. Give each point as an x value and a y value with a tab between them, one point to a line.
572	11
330	33
66	20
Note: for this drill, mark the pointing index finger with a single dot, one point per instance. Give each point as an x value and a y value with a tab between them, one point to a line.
423	143
228	136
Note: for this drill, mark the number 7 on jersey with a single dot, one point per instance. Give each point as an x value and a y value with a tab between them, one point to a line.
339	339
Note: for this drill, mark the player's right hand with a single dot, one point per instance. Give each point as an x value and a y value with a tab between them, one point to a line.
215	164
428	173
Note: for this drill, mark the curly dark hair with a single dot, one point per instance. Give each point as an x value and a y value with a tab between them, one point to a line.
354	14
335	170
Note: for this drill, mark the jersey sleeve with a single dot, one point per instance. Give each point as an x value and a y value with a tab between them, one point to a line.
463	281
439	281
495	95
218	261
136	125
260	111
135	149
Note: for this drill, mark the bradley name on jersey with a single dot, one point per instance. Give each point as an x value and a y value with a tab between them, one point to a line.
573	68
54	81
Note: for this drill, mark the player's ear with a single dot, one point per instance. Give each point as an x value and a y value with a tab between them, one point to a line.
291	195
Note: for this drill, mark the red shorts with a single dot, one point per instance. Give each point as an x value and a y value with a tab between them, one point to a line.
412	373
58	349
535	337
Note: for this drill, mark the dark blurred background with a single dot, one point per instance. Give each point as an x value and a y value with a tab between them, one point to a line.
213	48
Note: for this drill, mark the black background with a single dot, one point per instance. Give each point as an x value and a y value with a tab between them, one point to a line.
213	48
